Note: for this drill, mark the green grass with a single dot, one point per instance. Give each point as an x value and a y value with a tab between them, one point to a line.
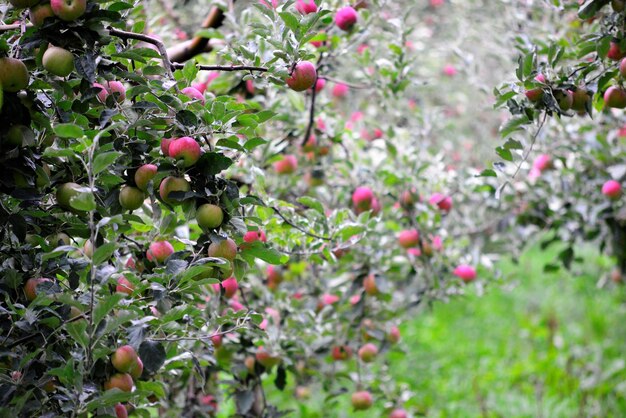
541	345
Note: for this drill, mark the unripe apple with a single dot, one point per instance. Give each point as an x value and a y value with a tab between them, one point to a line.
306	6
159	251
394	335
346	18
341	352
68	10
173	184
615	51
267	359
58	61
362	400
19	136
144	174
137	369
465	273
302	77
612	189
253	236
120	411
124	286
131	198
368	353
165	146
362	198
615	97
39	13
124	359
369	284
65	192
230	286
13	75
409	238
287	165
186	149
59	239
22	4
340	90
226	248
122	381
534	95
443	202
209	216
88	249
30	288
580	99
565	99
193	94
398	413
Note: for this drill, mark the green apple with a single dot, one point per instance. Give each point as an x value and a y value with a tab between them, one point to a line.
65	193
209	216
131	198
58	61
173	184
13	74
39	13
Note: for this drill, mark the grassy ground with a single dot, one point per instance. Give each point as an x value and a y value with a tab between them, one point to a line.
543	345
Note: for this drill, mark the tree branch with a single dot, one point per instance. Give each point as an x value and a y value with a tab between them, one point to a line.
122	34
291	224
353	86
178	65
187	50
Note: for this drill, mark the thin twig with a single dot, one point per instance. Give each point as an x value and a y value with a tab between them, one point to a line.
532	144
122	34
351	85
288	222
242	322
178	65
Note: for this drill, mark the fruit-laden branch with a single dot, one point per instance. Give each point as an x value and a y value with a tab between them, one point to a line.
240	324
122	34
187	50
178	65
309	128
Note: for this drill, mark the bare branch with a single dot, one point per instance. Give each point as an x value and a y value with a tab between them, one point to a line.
178	65
122	34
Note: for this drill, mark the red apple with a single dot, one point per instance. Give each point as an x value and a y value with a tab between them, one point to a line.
39	13
465	272
193	94
306	6
534	95
615	51
124	359
124	286
68	10
120	411
340	90
253	236
369	284
122	381
341	353
362	199
287	165
144	174
209	216
443	202
159	251
362	400
612	189
165	146
398	413
173	184
615	97
102	93
409	238
267	359
137	369
186	149
346	18
394	334
230	286
302	77
226	248
30	288
368	353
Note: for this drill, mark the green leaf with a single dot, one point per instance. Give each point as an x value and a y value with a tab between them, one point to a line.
104	160
104	306
109	398
312	203
83	202
513	125
487	173
291	21
103	253
78	331
504	153
209	33
68	130
269	255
